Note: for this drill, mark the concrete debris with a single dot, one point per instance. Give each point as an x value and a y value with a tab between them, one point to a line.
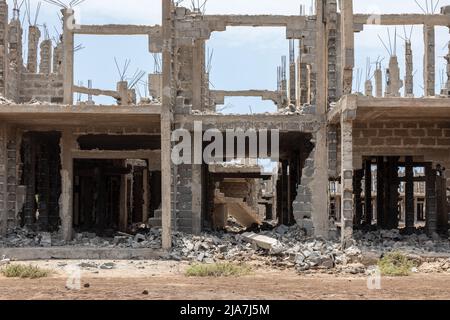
263	242
283	247
4	261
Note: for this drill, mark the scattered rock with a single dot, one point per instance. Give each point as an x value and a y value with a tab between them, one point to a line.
108	266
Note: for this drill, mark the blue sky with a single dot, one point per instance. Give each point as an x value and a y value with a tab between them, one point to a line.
244	58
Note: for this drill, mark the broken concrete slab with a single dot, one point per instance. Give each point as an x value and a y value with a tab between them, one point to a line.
261	241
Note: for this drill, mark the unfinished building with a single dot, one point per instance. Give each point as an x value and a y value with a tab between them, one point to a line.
345	161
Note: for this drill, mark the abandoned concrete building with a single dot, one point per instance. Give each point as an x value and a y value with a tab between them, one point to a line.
346	160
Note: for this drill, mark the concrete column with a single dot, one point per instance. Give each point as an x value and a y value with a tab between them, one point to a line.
197	198
15	44
68	54
429	71
166	113
368	88
123	213
392	209
378	82
320	183
347	207
348	45
409	195
198	61
3	182
145	195
34	34
409	70
4	63
368	192
357	189
431	203
380	191
45	66
66	198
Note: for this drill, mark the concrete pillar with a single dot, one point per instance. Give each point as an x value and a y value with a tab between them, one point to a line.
394	83
368	192
357	190
34	34
145	195
123	212
15	44
393	195
348	45
380	191
347	206
3	182
4	63
66	198
45	66
166	112
429	71
368	88
198	70
197	198
409	70
409	195
122	89
68	54
58	58
378	82
431	203
320	184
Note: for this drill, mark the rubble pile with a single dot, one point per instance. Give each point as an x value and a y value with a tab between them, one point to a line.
388	240
283	247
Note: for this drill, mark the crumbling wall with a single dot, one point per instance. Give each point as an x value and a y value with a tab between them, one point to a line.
4	63
42	87
45	66
8	178
302	205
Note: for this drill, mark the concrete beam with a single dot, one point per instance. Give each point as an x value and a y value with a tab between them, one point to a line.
68	54
219	95
117	29
402	19
66	197
166	126
253	21
96	92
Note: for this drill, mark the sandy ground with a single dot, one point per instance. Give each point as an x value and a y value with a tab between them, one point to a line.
166	280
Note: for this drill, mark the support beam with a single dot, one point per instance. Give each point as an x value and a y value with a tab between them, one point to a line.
198	62
145	195
197	199
380	191
368	193
357	190
123	212
429	65
402	19
166	115
431	203
68	54
348	45
347	207
66	198
3	182
393	210
409	195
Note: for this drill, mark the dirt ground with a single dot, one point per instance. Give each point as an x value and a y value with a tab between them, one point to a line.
166	280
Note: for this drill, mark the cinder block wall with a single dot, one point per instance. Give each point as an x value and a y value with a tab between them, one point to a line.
42	87
386	135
